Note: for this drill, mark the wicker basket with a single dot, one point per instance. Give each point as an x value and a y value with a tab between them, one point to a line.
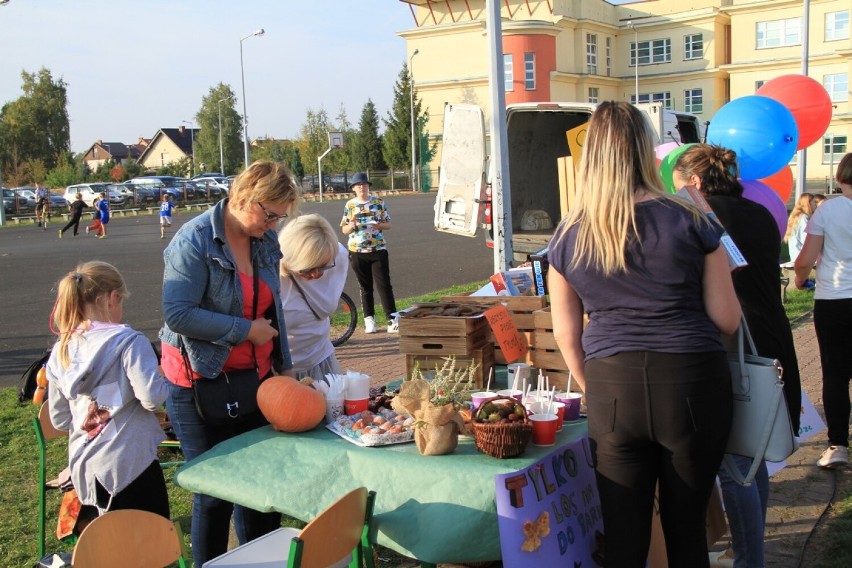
503	440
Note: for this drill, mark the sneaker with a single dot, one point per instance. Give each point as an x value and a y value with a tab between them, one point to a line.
393	327
60	233
102	237
834	456
370	324
87	230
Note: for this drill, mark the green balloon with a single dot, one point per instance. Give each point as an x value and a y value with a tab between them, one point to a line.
667	166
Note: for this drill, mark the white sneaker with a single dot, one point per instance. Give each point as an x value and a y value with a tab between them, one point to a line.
393	327
833	457
370	324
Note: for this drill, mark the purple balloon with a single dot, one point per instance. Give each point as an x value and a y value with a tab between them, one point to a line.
761	193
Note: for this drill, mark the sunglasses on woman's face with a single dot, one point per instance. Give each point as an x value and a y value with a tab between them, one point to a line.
317	270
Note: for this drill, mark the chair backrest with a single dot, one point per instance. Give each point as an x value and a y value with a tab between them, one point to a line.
335	532
48	432
129	538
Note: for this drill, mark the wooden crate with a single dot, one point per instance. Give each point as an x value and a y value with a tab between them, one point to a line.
443	344
546	355
521	308
482	355
439	326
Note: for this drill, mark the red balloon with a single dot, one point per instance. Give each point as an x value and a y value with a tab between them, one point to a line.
781	183
808	102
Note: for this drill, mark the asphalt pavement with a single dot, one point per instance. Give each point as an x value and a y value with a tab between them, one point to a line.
32	260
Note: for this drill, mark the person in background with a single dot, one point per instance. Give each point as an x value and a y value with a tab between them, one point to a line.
103	205
365	218
829	244
166	208
212	265
96	226
104	388
796	223
713	170
42	205
76	207
819	199
650	272
313	272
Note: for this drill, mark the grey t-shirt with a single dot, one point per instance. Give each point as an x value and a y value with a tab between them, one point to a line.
658	304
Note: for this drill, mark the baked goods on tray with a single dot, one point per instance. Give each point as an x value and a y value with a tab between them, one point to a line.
375	429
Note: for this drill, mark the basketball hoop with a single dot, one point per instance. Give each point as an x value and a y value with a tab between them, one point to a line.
335	140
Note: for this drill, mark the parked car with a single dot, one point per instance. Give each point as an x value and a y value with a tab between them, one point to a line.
215	187
138	193
14	203
26	199
174	186
91	191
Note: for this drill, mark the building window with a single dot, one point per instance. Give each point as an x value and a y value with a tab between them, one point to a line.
508	70
664	97
836	25
758	84
693	100
833	144
693	46
592	54
529	71
837	86
778	33
654	51
608	56
594	95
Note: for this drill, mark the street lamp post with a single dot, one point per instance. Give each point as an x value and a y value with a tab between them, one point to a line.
411	95
635	59
221	153
191	143
259	32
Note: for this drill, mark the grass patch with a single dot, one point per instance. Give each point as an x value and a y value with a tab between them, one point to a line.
799	303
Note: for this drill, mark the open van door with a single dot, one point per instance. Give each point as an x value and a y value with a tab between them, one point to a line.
462	178
656	116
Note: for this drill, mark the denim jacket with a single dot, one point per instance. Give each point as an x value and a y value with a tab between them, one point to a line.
202	295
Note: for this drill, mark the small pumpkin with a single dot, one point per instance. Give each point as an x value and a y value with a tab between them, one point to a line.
289	405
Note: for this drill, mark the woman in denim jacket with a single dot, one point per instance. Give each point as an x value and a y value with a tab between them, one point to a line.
208	289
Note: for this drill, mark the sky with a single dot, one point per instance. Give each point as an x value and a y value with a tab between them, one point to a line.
134	67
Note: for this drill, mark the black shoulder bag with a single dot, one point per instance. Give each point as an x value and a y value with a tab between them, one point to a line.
231	396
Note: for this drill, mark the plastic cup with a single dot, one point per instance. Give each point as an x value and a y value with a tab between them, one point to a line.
572	404
355	406
521	370
333	409
478	398
516	394
555	407
544	429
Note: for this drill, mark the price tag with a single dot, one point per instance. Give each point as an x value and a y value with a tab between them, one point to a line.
511	342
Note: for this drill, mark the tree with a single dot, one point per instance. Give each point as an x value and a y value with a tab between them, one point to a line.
283	151
313	138
366	143
67	172
35	127
397	137
207	139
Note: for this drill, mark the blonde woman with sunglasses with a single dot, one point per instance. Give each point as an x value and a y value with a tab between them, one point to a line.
313	272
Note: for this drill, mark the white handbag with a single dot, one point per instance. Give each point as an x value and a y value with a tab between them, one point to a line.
760	428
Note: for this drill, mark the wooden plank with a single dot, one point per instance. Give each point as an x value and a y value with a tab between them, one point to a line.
549	360
445	345
483	356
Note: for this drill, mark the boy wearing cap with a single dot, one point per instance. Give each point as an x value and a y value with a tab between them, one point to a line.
365	218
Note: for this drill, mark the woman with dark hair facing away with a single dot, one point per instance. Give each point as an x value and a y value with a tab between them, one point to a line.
213	265
829	244
713	171
649	270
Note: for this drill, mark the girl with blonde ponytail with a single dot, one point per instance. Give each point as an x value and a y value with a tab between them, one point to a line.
104	388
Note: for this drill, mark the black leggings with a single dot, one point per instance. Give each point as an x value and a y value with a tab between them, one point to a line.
147	492
833	325
657	417
373	268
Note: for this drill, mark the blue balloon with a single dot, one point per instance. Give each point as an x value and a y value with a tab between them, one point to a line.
760	130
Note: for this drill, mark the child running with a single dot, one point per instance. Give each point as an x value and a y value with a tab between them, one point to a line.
96	219
166	214
104	388
103	205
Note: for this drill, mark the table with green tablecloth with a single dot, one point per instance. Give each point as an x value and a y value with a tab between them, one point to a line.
432	508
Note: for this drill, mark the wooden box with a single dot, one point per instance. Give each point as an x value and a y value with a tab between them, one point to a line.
412	323
483	355
520	307
546	355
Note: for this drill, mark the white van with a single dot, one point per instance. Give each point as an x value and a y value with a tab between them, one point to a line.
92	191
536	140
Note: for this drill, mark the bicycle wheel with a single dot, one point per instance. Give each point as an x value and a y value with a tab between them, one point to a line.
343	320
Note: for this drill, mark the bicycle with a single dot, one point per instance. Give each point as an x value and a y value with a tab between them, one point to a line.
343	320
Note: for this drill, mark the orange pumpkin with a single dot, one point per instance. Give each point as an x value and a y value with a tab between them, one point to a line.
289	405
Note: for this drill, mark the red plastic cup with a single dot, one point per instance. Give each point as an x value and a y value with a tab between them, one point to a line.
355	406
555	407
544	429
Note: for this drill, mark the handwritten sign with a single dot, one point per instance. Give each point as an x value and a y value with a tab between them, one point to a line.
511	341
548	513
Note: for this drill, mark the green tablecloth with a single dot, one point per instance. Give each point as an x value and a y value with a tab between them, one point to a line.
434	509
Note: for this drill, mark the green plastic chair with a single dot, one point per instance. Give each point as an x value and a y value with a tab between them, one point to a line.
44	431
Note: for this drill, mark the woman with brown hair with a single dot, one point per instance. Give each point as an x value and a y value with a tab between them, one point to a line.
222	311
